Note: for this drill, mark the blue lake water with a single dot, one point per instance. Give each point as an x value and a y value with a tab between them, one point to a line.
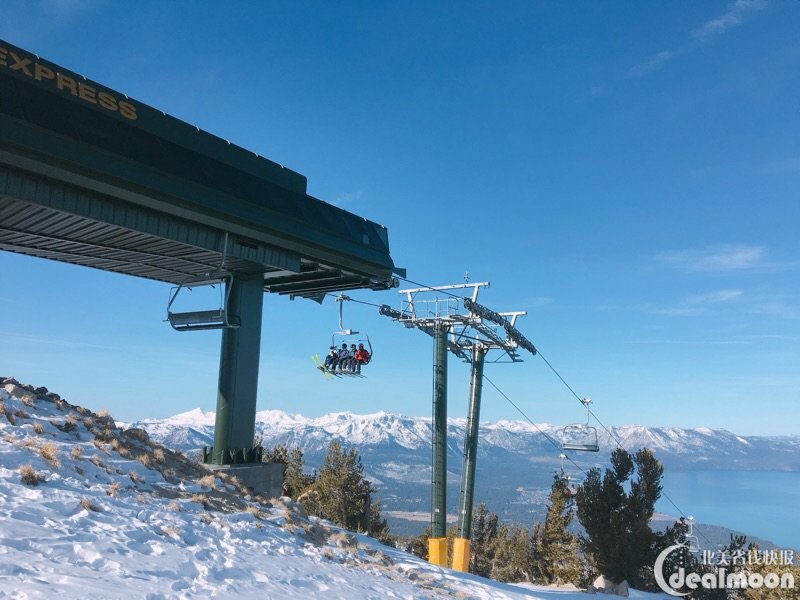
765	504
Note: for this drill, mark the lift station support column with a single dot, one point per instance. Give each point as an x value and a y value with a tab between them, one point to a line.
437	544
461	546
234	427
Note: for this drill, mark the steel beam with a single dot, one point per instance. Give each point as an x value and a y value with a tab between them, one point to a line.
438	540
238	373
461	548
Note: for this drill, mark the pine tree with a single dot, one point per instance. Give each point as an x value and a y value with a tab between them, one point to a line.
555	548
511	558
484	539
617	522
343	494
295	482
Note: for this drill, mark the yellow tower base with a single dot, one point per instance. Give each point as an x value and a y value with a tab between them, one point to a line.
461	554
437	551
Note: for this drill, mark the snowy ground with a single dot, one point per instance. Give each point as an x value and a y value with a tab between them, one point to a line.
115	516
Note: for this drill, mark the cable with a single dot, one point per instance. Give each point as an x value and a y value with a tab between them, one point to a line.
617	441
569	387
445	292
555	444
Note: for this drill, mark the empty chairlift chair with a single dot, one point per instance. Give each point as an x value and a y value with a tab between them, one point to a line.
580	437
215	318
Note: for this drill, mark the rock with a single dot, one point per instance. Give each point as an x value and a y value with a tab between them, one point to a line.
604	585
40	391
53	397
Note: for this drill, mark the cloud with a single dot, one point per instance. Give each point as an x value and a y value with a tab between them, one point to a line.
731	18
655	63
714	297
715	258
348	198
707	32
789	165
778	309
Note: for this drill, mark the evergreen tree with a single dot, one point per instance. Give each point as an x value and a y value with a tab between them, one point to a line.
484	539
341	493
555	549
295	482
511	561
617	522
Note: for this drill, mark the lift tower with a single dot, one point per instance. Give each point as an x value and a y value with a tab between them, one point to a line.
470	331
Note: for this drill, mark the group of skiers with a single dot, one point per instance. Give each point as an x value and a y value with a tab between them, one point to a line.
347	361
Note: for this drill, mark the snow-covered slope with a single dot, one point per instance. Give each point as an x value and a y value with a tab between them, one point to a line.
91	511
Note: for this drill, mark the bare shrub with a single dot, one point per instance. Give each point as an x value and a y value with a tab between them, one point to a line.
9	438
137	434
69	424
113	489
103	413
208	481
87	504
21	414
159	456
173	532
141	499
76	452
49	452
27	399
7	414
30	443
38	428
135	477
200	499
145	460
29	475
88	422
61	405
255	511
175	506
83	411
95	460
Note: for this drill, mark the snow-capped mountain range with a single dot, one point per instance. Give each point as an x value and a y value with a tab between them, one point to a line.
515	459
676	447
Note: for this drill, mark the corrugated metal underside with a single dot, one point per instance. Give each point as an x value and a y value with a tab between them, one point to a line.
42	218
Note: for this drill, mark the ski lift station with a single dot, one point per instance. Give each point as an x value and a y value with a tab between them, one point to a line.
91	177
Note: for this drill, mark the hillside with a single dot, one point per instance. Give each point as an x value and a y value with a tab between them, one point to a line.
89	510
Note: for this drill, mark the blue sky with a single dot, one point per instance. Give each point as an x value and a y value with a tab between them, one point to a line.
628	173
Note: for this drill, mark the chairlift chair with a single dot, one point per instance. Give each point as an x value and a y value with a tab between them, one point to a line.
580	437
196	320
343	335
692	541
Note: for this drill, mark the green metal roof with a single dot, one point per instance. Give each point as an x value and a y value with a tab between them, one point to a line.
79	160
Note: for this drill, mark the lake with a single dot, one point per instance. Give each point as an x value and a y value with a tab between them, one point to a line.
765	504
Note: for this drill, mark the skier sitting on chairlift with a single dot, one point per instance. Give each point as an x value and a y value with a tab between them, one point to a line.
362	357
331	359
350	365
344	356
